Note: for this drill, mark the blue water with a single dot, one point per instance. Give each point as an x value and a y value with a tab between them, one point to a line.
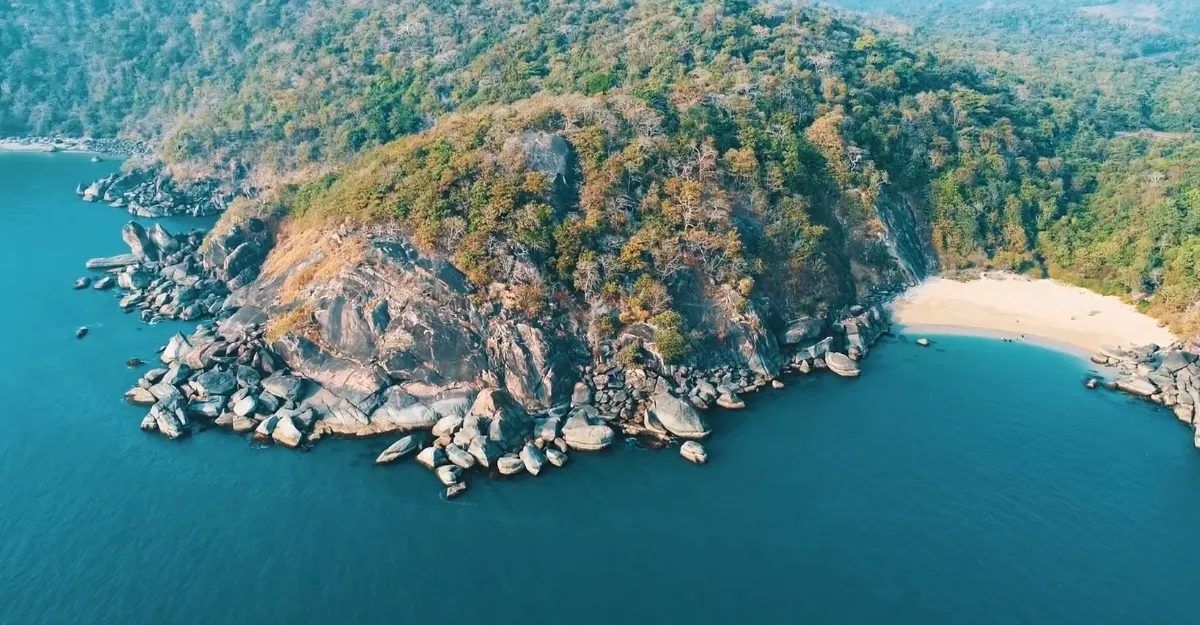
973	482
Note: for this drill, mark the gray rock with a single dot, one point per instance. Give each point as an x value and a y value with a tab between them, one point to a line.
449	474
510	464
154	376
403	412
166	392
546	429
167	421
454	490
209	408
447	426
533	458
730	401
105	283
286	433
484	450
582	394
694	452
176	374
81	332
265	429
283	386
245	406
139	242
677	416
432	457
139	396
82	283
242	425
176	349
556	457
841	364
579	432
215	383
113	262
1137	386
459	456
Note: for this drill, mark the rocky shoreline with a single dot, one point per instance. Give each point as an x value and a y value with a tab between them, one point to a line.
529	409
114	147
1165	375
149	192
233	374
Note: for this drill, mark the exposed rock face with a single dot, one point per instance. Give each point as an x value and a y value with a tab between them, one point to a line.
803	329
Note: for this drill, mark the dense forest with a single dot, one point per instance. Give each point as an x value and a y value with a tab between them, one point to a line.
764	149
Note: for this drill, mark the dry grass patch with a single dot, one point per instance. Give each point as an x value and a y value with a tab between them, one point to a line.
318	254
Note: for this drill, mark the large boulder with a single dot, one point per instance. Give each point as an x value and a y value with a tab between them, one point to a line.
841	364
139	242
694	452
283	386
459	456
401	448
582	432
286	433
1137	385
215	383
677	416
533	458
177	347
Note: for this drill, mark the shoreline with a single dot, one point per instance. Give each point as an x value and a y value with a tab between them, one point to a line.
926	330
117	148
1046	312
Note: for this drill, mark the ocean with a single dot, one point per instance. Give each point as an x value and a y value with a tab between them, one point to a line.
974	481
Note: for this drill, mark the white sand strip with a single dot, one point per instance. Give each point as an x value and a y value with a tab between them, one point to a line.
1013	306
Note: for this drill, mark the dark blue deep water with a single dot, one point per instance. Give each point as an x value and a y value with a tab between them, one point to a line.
973	482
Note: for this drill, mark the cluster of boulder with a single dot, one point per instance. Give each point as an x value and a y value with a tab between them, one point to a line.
816	345
494	434
149	192
163	275
234	383
1169	376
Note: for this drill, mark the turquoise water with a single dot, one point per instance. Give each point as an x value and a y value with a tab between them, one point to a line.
972	482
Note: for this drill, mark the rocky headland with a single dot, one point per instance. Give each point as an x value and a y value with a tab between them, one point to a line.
399	344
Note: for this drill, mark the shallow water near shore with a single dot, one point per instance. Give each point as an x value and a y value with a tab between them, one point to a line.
972	481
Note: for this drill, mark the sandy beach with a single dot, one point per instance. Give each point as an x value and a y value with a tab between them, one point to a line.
1040	311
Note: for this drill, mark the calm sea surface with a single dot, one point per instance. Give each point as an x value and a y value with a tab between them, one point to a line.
972	482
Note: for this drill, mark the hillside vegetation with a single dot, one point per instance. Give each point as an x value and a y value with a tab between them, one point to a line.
785	158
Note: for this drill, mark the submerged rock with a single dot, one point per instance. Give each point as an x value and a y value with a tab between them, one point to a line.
454	490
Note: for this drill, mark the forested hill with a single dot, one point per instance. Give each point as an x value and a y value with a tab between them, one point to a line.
1122	65
831	156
